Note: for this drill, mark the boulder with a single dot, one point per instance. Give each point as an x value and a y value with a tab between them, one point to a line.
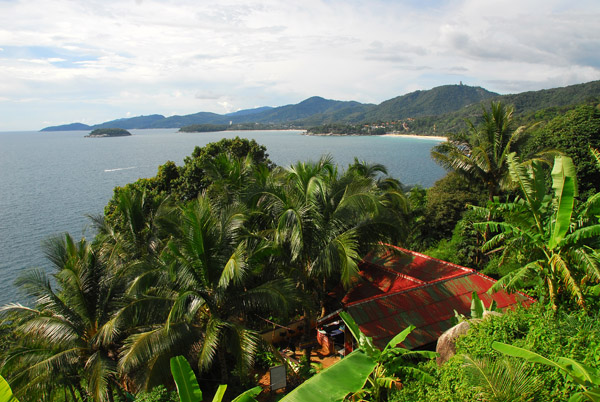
446	344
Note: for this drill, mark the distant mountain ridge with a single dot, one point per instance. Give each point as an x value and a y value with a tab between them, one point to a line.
446	100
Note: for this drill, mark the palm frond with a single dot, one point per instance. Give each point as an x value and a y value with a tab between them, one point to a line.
559	265
210	343
503	380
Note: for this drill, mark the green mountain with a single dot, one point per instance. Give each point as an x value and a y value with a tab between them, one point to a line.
437	110
436	101
68	127
132	122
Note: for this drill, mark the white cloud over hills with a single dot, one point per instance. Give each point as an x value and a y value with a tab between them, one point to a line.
63	61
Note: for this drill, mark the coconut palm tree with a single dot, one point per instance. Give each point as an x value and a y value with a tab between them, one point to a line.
198	301
480	155
324	219
324	222
132	230
60	343
546	235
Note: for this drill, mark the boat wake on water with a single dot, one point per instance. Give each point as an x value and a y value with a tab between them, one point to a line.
117	169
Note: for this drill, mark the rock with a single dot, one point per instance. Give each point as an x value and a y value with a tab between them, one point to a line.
488	313
446	344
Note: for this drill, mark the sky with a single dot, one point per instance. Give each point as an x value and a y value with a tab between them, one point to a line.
64	61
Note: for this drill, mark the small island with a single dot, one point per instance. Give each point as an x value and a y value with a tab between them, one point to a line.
108	132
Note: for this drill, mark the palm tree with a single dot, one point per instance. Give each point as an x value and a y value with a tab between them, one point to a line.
60	338
324	222
199	300
546	235
133	229
480	156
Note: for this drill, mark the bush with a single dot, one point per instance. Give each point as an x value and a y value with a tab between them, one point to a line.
567	334
157	394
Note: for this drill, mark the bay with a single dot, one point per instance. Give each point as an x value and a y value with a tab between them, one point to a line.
50	182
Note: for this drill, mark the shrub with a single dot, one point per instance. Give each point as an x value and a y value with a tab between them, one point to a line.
567	334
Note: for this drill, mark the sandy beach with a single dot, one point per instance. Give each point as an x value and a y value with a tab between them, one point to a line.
425	137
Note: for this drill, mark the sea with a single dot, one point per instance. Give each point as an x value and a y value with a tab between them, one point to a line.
51	182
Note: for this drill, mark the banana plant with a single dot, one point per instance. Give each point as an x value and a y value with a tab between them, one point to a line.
368	371
544	233
478	308
189	390
6	394
588	378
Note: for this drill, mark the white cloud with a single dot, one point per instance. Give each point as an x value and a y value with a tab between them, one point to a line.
98	58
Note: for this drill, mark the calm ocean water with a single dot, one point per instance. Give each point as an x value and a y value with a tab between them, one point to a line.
49	182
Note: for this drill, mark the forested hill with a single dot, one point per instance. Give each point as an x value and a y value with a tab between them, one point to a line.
436	101
433	110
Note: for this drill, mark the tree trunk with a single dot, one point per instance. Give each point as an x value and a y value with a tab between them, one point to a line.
306	338
82	394
110	392
222	363
72	393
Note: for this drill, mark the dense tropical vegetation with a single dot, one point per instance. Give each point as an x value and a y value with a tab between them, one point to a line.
199	259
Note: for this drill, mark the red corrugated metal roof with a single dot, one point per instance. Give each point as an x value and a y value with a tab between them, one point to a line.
402	288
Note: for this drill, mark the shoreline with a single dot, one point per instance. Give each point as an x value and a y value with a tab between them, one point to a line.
427	137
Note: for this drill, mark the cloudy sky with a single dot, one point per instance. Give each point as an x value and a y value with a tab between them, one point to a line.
89	61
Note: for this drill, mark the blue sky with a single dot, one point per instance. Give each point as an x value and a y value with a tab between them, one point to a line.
90	61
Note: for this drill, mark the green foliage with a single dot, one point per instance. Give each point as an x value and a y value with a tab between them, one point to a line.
392	362
574	133
447	201
586	377
189	390
157	394
65	340
480	154
109	132
544	234
502	380
193	180
266	357
549	103
573	335
335	382
185	380
366	365
437	101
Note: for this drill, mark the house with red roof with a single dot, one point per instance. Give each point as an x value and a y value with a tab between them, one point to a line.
400	287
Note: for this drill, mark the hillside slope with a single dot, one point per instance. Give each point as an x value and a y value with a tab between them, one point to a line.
436	110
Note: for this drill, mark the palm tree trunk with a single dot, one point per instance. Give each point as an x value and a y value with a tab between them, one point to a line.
552	293
306	337
110	393
72	391
222	363
82	394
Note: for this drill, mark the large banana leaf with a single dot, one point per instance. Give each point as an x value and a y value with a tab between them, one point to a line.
247	396
6	394
185	380
365	343
334	383
565	190
220	393
399	338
